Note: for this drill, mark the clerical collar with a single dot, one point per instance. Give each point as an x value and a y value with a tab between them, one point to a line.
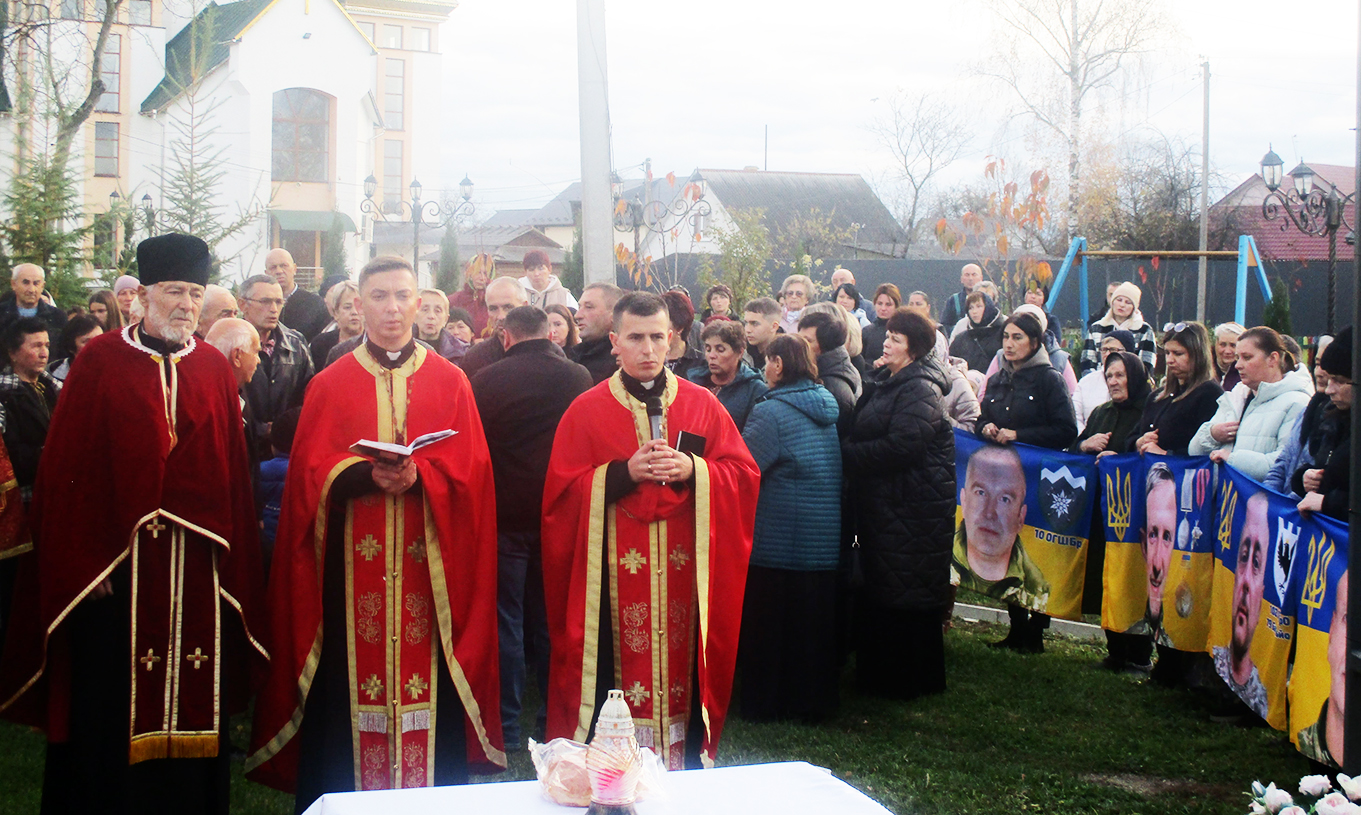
642	390
156	344
391	359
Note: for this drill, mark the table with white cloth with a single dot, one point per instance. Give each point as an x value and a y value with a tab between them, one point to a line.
787	787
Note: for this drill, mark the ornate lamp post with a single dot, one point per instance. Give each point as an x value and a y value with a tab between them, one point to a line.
659	217
422	213
1311	210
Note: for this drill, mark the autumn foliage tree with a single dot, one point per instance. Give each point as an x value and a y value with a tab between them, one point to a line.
1001	232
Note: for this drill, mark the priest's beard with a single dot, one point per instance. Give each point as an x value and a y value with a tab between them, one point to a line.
158	324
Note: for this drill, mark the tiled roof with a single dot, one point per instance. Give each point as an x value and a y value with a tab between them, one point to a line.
1279	239
218	26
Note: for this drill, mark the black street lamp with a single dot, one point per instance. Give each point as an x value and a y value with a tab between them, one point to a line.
660	217
422	213
114	200
1311	210
149	210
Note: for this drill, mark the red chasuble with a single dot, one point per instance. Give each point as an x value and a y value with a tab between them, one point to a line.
14	534
676	595
420	576
145	464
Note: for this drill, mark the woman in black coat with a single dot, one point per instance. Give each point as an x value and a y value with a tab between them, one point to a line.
1188	398
887	299
1026	401
1107	433
981	338
899	459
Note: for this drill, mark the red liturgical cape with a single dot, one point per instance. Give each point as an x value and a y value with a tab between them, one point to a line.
420	576
145	464
676	596
14	534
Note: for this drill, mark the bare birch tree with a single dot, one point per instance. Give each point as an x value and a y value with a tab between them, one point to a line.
924	134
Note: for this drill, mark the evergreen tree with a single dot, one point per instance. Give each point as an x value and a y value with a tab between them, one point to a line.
1276	314
573	268
449	275
333	260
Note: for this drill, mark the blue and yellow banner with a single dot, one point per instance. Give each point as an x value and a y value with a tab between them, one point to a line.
1022	521
1252	622
1159	520
1317	688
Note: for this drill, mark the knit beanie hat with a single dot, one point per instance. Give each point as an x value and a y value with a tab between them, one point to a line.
1038	314
1129	290
1336	359
125	282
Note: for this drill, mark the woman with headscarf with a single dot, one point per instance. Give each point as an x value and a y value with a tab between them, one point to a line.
1108	433
1026	401
1091	388
1124	313
978	337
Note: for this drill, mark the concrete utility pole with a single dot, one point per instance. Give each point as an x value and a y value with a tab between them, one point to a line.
597	226
1204	196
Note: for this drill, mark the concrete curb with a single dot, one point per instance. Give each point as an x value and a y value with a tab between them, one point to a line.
1081	631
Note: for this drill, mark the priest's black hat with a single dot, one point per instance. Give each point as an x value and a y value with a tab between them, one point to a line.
164	258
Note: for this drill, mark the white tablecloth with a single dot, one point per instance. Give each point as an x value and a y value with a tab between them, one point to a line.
791	787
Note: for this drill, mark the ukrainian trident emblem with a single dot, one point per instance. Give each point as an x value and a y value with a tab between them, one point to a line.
1119	500
1226	507
1316	579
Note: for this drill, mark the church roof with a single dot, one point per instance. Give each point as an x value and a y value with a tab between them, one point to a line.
218	26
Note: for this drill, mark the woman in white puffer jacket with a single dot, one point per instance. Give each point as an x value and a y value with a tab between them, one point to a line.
1254	419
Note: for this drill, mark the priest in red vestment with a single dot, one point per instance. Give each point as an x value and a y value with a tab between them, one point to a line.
382	591
136	634
646	538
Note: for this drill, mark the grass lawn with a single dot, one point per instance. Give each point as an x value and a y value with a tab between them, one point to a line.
1014	733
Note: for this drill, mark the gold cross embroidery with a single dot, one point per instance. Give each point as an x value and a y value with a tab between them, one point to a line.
368	547
197	658
638	695
416	550
417	686
155	528
679	559
633	561
373	686
150	659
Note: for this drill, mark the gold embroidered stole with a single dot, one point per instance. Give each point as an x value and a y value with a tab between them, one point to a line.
176	640
392	637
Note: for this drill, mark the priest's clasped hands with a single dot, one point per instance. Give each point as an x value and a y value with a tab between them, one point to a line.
394	476
657	462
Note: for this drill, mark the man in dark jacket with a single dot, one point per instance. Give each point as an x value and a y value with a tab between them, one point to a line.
521	400
971	275
736	385
827	335
285	365
28	395
27	281
503	294
304	311
595	320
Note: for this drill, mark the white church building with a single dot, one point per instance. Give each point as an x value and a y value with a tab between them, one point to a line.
310	99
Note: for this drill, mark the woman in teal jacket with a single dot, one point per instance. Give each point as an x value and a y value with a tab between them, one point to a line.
788	654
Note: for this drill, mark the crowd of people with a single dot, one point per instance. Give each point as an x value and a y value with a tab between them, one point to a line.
452	495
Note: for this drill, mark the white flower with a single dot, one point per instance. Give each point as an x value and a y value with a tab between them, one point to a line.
1275	799
1315	785
1292	810
1349	785
1256	809
1335	803
1258	790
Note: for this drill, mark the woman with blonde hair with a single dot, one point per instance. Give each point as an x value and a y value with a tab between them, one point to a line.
472	298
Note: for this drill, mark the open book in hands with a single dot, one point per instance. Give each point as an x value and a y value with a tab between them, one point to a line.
387	451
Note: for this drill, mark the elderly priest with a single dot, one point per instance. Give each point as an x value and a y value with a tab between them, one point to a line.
135	638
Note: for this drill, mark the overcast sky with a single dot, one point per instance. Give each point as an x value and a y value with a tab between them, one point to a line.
695	84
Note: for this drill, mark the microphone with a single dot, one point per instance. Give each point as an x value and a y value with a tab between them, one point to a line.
654	416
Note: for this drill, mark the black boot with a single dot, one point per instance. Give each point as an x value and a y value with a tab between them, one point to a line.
1015	638
1034	633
